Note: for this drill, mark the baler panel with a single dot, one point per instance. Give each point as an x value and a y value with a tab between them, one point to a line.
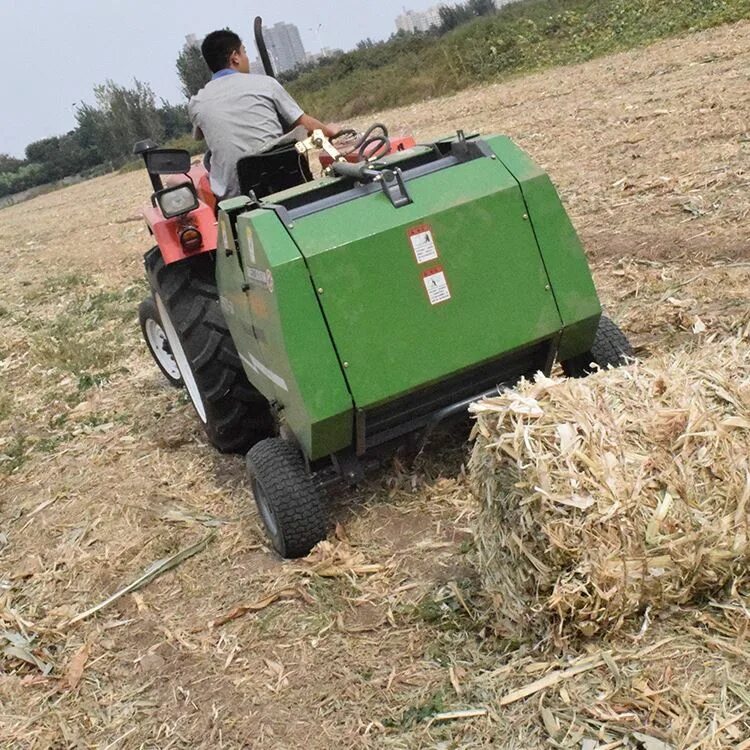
562	252
415	294
280	333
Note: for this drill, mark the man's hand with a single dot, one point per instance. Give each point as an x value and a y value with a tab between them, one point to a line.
333	128
310	124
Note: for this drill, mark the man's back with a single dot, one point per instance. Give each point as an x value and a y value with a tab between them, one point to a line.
238	114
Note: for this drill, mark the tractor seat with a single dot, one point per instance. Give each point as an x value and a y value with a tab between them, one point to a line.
272	171
277	167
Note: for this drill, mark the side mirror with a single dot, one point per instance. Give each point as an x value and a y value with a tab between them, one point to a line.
167	161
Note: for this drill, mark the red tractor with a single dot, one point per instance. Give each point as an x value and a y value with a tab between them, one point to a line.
182	321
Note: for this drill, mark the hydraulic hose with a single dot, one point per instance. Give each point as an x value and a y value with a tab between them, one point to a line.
372	144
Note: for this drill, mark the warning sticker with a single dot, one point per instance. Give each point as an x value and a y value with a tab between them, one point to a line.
259	276
423	243
436	285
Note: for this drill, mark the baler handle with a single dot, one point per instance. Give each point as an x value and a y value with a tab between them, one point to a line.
359	172
391	180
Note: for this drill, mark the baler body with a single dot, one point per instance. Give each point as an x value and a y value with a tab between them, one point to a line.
362	321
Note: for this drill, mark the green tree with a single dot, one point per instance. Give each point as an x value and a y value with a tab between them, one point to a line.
10	163
192	70
481	7
174	119
90	132
452	16
27	176
59	156
127	115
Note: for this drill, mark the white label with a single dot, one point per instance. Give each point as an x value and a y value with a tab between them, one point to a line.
264	278
257	366
437	286
423	245
222	240
250	245
226	305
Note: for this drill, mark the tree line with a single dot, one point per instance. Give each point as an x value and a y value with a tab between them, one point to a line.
369	54
102	139
106	130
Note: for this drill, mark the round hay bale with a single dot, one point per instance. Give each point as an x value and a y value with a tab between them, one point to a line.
603	496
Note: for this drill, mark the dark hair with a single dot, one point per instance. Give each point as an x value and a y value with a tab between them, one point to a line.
217	48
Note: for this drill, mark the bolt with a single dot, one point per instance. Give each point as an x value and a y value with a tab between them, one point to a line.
291	225
494	156
547	287
525	217
320	290
346	364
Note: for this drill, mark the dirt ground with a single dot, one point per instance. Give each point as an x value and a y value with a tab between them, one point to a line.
376	639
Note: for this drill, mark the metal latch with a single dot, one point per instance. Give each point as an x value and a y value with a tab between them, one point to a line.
392	182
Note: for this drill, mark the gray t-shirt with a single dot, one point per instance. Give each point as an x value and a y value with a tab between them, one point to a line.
238	114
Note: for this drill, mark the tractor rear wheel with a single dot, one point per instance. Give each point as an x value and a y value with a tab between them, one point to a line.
611	348
234	414
157	343
288	501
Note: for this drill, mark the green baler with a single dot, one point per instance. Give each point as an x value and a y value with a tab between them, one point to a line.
363	321
380	300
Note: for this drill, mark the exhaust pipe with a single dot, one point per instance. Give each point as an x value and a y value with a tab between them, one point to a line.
260	43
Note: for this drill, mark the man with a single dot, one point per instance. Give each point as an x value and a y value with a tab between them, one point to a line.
238	113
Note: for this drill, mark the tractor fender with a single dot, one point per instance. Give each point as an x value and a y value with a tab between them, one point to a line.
198	175
167	231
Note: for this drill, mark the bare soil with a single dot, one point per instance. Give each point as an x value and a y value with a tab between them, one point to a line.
368	643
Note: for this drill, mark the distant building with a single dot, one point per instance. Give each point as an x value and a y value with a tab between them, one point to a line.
418	20
422	20
285	46
313	57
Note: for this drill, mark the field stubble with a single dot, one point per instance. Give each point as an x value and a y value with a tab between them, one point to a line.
381	638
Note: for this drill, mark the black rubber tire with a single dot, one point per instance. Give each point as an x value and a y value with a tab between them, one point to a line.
147	312
611	348
237	414
289	503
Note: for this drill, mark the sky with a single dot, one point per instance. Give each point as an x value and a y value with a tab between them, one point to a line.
54	52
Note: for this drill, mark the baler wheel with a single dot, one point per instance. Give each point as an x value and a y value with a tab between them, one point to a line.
611	348
288	501
234	414
157	343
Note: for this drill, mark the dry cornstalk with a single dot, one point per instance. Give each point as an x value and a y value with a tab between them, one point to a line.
628	489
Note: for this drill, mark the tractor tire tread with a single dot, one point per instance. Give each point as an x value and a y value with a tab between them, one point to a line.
237	414
611	348
295	501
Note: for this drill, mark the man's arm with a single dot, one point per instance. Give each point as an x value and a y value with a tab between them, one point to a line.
193	115
290	112
310	123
